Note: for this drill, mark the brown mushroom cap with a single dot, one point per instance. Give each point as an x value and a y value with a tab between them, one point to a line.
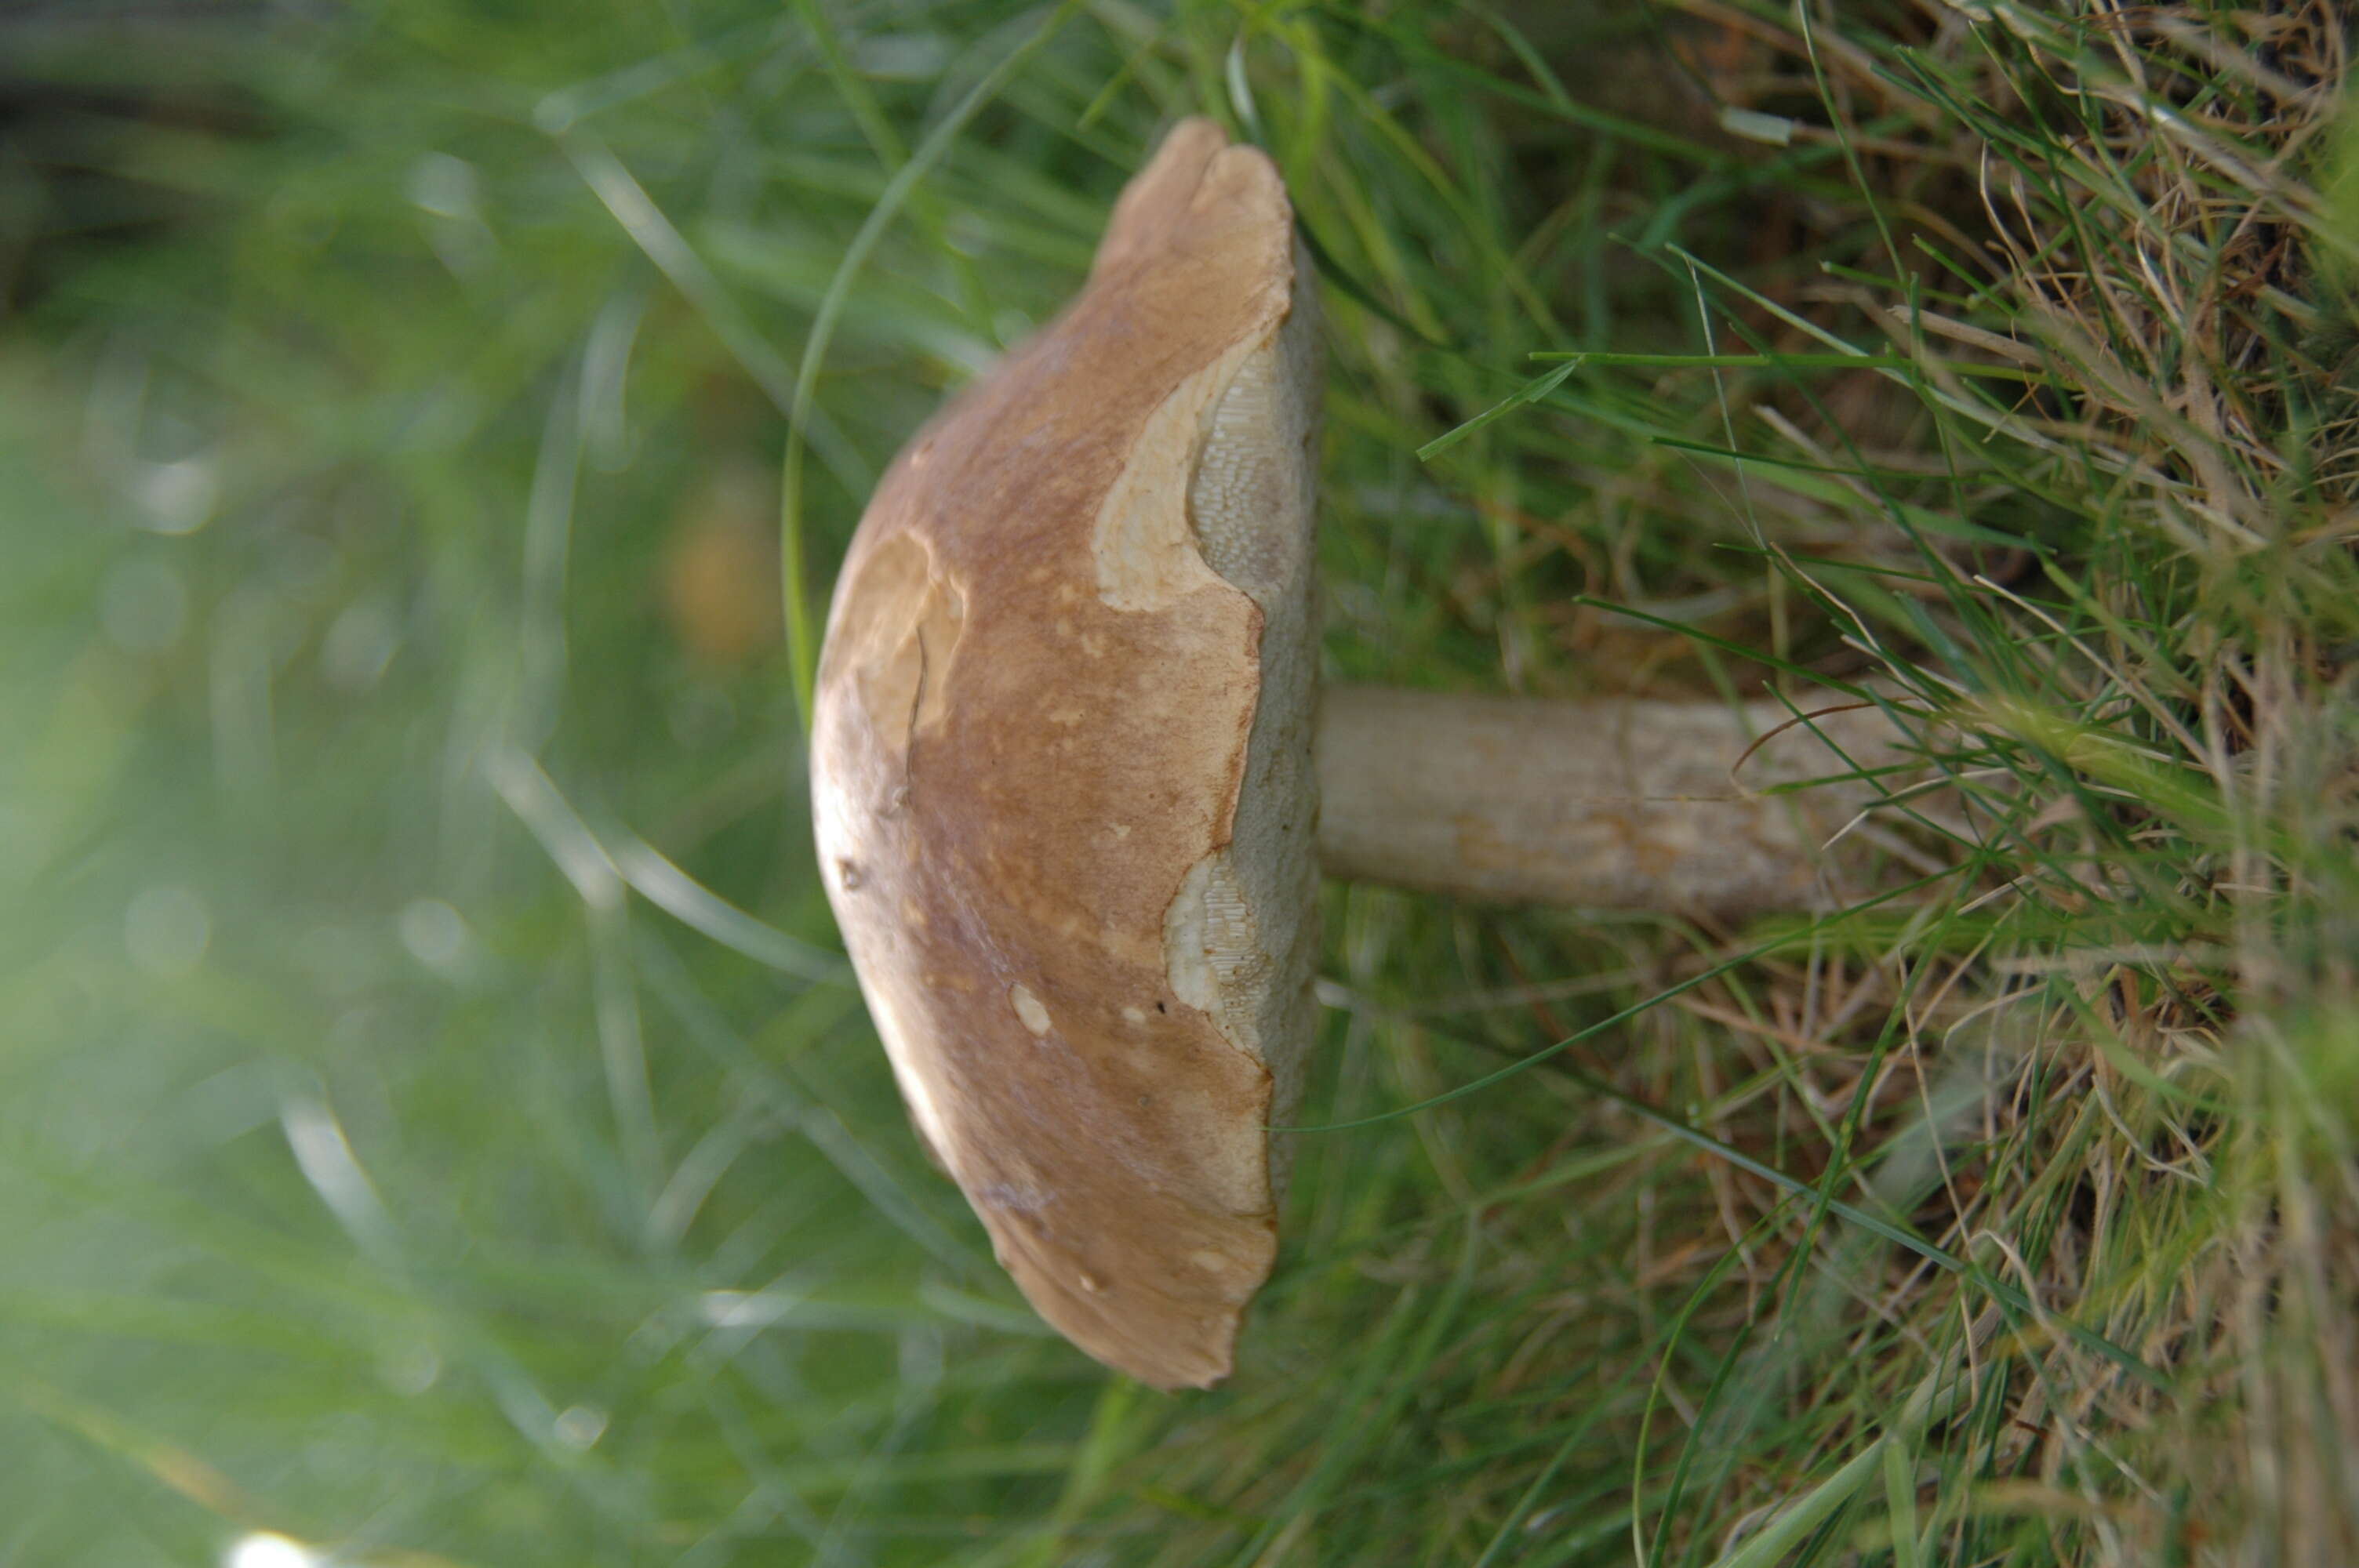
1061	769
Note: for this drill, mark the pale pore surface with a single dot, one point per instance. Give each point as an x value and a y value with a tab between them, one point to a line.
1241	939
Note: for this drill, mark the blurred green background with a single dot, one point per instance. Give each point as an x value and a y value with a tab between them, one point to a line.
436	1124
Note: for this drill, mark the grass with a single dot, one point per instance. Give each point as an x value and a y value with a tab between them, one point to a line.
435	1123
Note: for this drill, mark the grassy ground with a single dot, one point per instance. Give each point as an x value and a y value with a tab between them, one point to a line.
434	1121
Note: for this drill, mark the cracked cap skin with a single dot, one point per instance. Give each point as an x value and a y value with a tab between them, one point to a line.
1061	769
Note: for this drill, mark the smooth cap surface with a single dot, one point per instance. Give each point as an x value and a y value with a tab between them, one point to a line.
1060	770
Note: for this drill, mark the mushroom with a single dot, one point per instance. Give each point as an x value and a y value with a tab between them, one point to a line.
1064	789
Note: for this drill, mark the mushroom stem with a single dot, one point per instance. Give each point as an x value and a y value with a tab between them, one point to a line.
1616	804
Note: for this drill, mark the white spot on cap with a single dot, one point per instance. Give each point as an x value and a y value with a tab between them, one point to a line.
1133	1015
1029	1009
